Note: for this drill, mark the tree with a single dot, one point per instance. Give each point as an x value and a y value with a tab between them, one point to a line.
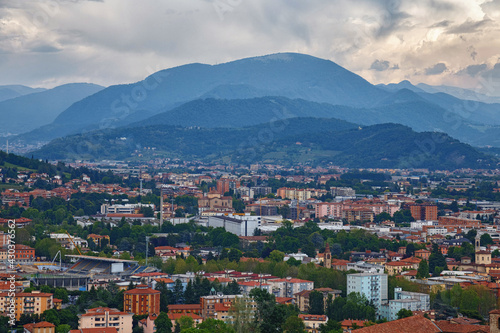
185	322
276	256
294	324
486	239
213	326
63	328
403	313
423	270
437	261
52	316
242	313
316	304
163	323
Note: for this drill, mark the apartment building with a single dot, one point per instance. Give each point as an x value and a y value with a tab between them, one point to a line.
288	287
34	302
141	300
372	285
103	317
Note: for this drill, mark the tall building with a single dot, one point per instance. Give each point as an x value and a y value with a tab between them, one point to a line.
424	212
372	285
141	300
102	318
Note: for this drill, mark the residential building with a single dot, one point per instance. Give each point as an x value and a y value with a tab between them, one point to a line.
103	317
404	300
34	302
313	322
247	286
372	285
24	253
141	300
41	327
302	298
288	287
424	212
208	304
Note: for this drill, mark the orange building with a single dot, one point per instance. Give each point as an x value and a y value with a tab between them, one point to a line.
142	300
423	254
35	302
41	327
424	212
24	252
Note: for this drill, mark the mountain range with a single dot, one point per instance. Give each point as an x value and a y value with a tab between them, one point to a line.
31	110
257	90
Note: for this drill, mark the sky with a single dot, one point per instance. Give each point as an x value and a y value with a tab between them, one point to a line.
45	43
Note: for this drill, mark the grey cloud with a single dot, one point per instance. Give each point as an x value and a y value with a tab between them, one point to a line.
436	69
380	65
383	65
442	24
469	26
473	70
45	49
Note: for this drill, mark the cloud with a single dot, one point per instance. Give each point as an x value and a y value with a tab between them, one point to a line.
470	26
436	69
441	24
45	43
473	70
383	65
379	65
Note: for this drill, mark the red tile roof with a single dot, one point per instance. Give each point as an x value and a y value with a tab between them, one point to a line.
413	324
448	327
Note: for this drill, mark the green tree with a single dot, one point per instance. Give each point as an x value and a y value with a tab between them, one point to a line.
486	240
163	323
403	313
63	328
276	256
52	316
316	304
294	324
185	322
423	270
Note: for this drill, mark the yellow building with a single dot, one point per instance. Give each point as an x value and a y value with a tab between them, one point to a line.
483	257
35	302
396	267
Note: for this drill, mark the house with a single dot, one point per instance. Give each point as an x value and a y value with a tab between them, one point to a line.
41	327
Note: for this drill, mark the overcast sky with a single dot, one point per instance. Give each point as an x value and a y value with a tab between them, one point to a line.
50	42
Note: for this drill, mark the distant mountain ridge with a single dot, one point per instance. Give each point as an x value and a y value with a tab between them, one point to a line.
13	91
27	112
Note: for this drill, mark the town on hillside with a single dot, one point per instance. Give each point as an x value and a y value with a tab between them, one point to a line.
185	246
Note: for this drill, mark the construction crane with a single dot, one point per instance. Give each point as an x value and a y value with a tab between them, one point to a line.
71	239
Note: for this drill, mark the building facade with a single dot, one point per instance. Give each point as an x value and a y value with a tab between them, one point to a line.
141	300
